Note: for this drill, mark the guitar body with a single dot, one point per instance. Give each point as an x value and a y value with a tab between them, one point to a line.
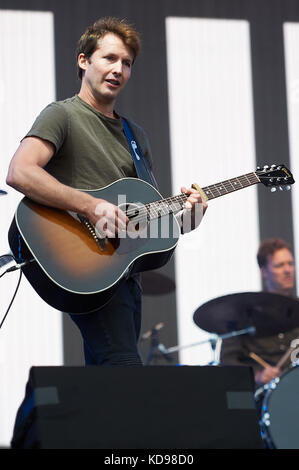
70	271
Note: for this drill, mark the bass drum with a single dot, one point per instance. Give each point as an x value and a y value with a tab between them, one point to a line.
280	412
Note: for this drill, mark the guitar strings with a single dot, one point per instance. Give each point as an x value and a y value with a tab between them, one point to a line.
164	204
168	205
156	209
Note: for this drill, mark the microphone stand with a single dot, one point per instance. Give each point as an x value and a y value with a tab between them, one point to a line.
155	345
213	340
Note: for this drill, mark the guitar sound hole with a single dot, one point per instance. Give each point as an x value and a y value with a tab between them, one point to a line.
137	230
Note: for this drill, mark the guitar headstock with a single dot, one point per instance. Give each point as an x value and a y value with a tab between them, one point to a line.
275	176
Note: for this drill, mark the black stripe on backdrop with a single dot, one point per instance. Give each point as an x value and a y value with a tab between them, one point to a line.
146	102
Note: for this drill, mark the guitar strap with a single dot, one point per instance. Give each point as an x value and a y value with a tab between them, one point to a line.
141	164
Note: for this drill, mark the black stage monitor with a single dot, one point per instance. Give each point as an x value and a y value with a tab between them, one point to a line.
155	407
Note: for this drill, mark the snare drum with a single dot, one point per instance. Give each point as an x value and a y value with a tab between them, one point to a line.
280	411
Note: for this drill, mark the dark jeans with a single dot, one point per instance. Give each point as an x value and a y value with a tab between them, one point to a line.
110	334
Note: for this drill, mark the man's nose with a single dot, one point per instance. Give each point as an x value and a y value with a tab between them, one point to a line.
117	69
289	269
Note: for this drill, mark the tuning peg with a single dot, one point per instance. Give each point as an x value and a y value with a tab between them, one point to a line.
273	166
288	187
266	167
258	168
280	188
273	189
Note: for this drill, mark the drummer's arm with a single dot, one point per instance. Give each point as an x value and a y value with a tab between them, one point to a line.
265	375
234	352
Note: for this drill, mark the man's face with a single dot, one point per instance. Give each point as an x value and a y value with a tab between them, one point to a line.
108	69
279	273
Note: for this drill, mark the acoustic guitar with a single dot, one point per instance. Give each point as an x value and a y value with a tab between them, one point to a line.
75	271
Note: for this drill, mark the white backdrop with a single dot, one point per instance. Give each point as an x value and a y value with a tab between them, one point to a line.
212	139
291	41
32	332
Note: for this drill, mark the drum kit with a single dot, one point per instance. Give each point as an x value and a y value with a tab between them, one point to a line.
261	314
268	314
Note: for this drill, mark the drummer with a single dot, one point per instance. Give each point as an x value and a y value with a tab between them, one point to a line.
277	266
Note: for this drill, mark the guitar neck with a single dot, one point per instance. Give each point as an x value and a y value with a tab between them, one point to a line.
176	203
231	185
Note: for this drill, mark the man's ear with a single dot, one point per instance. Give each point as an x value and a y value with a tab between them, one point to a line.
82	61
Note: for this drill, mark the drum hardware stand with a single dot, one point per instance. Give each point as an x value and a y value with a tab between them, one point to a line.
213	340
155	344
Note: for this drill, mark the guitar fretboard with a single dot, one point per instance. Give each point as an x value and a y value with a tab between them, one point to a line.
231	185
174	204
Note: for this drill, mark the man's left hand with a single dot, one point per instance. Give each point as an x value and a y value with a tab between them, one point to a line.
195	208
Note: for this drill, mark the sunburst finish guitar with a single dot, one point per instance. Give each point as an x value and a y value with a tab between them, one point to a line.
75	271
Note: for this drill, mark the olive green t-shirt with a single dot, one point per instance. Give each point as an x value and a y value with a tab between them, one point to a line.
91	150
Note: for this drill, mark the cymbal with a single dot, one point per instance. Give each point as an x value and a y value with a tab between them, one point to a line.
156	283
269	313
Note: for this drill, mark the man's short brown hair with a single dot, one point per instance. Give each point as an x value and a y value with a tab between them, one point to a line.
88	42
268	248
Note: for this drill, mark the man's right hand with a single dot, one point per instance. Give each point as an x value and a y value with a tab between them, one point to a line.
108	219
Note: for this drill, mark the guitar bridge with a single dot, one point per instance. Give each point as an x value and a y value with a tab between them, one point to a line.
101	242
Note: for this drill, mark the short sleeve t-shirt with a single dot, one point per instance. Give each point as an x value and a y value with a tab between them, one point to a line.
91	150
